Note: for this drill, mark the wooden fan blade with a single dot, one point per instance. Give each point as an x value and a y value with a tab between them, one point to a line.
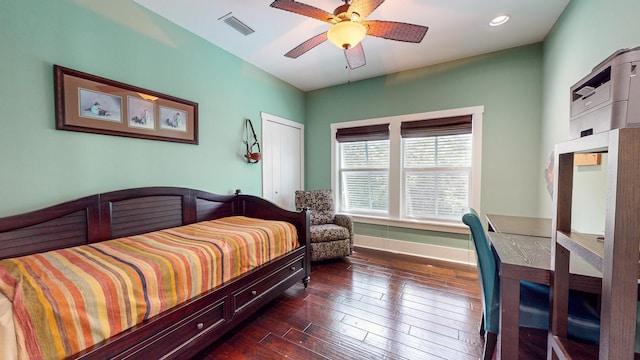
396	30
303	9
364	7
307	45
355	56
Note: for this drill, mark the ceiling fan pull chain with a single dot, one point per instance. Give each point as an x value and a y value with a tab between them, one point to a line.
346	67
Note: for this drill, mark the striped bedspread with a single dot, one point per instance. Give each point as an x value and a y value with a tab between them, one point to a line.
66	300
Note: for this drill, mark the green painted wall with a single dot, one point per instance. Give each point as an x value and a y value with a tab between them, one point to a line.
524	91
120	40
587	32
507	83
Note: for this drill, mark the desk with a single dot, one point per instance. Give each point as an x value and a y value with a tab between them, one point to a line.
521	225
525	257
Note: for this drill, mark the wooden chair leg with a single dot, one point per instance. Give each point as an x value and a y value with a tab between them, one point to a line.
490	340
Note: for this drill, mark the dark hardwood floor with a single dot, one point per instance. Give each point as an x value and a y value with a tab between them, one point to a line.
372	305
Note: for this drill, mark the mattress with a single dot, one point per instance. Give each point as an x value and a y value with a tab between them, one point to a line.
55	304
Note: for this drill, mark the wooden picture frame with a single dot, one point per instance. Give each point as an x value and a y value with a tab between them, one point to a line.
92	104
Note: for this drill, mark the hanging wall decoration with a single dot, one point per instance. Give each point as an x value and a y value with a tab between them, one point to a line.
92	104
251	155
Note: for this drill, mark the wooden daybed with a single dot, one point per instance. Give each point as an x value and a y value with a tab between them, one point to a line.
186	329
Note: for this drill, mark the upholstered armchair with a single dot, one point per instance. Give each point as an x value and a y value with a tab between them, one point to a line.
331	233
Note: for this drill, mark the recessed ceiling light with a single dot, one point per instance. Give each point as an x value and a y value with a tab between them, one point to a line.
499	20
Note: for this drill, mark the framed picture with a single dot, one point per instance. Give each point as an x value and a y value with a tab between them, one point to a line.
100	106
172	119
141	113
92	104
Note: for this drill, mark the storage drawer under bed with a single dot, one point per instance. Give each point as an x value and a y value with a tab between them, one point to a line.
165	345
258	289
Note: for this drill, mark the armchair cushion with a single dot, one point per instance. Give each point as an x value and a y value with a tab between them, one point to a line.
328	232
319	203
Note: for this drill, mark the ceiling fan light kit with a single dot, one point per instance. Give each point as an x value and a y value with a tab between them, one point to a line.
349	28
346	34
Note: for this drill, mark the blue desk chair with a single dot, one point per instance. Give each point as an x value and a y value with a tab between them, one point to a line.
584	319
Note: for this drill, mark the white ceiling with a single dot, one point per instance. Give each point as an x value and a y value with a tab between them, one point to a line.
457	29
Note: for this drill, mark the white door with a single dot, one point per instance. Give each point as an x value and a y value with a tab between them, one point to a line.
283	160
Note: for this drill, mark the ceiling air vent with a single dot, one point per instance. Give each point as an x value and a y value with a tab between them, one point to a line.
238	25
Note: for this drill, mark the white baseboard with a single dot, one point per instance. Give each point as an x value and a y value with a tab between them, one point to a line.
462	256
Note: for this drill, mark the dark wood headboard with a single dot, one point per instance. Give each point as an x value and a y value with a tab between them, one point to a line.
58	226
129	212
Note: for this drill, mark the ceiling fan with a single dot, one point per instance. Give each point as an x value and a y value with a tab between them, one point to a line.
349	28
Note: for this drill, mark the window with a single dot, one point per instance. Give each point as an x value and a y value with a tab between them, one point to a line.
436	157
364	176
364	169
418	170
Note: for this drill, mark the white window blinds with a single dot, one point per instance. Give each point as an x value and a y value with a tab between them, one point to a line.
364	168
436	157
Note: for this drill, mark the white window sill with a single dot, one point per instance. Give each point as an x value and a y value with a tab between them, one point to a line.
440	226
